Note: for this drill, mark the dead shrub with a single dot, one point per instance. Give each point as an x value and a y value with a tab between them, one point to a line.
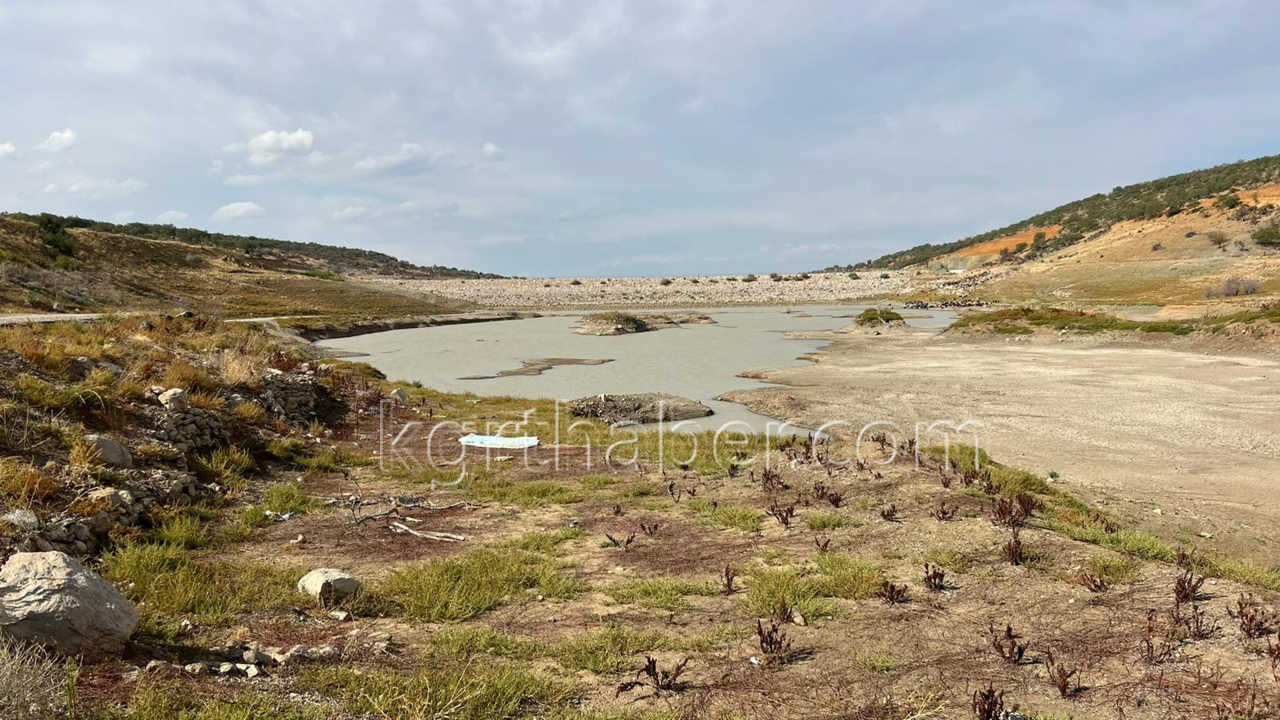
890	514
1155	645
1255	621
726	580
1006	643
656	678
1234	287
892	594
988	704
1186	587
823	544
1005	512
944	512
1092	582
774	644
935	578
782	513
1193	624
31	683
1060	676
1013	550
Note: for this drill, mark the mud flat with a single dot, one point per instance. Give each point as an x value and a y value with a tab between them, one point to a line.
1180	440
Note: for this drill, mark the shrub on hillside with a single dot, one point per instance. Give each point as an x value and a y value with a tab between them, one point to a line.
1234	287
1268	235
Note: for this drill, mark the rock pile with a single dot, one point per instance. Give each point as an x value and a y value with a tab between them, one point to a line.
299	399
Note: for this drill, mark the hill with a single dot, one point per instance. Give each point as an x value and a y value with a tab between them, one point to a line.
1225	186
335	258
52	263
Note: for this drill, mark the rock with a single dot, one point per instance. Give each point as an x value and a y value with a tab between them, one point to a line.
196	669
249	670
50	599
225	668
328	586
400	396
340	615
175	399
638	408
110	452
23	519
324	652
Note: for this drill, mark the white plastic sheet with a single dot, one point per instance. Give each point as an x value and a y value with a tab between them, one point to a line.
498	441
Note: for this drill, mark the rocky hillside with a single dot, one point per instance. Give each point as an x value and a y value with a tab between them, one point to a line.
1227	186
49	263
1210	237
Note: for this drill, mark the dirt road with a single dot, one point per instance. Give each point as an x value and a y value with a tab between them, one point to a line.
1182	441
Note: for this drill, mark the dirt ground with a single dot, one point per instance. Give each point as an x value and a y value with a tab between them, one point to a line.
1179	439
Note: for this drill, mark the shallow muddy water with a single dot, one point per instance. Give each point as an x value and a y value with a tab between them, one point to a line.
695	361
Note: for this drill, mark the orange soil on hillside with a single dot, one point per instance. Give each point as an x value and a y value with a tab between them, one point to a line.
1262	195
993	247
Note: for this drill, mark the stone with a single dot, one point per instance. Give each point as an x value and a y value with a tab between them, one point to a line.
324	652
400	396
175	399
23	519
196	669
110	452
50	599
328	586
340	615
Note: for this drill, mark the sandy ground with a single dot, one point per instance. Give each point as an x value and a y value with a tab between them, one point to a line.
1181	441
718	290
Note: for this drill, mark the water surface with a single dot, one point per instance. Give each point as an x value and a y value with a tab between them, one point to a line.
694	361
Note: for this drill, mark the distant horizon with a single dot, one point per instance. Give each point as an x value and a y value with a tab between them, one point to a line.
641	140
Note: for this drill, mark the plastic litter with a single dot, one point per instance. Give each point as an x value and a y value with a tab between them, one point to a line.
498	441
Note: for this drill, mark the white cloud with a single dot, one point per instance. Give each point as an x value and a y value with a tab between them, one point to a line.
490	149
170	217
58	140
106	186
243	180
270	145
377	163
7	149
351	212
123	216
51	188
238	210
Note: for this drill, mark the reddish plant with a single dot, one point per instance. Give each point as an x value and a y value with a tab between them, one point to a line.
892	594
1060	676
935	578
944	512
988	704
1255	621
1006	643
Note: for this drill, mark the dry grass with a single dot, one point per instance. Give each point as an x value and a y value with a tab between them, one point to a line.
32	683
22	484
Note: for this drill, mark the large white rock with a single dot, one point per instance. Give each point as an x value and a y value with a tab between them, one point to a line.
110	452
328	586
50	599
175	399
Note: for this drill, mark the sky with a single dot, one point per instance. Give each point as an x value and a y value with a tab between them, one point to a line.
543	138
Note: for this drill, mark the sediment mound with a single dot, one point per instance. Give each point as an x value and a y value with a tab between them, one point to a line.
638	408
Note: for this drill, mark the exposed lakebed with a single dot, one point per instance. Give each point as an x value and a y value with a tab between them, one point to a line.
694	361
